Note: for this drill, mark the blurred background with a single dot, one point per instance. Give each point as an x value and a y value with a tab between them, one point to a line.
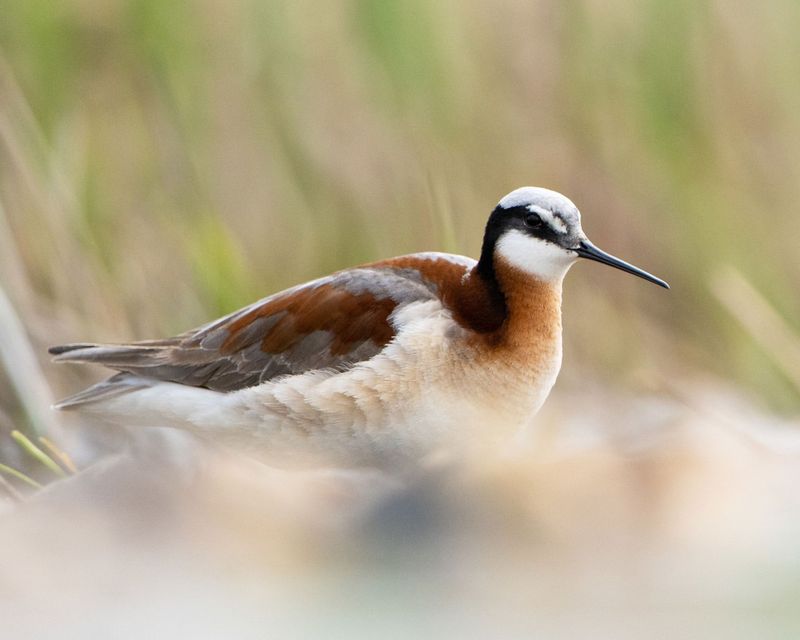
163	163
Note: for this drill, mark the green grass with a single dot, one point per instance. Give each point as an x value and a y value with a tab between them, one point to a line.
163	163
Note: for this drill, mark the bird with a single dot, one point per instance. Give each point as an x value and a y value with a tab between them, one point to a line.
381	363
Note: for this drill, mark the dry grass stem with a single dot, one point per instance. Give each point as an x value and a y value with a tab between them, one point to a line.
18	357
760	319
59	454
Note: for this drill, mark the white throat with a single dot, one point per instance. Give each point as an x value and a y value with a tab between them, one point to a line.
539	258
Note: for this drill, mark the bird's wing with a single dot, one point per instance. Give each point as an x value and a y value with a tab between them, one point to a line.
333	322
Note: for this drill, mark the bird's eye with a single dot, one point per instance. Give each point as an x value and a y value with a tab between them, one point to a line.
533	221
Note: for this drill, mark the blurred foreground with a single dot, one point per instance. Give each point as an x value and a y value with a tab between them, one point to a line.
634	517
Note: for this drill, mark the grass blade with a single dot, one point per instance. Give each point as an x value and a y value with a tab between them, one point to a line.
62	456
18	357
12	493
760	319
19	475
36	453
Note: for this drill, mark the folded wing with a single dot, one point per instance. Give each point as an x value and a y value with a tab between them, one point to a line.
330	323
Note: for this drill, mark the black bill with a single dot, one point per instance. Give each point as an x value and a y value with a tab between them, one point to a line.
587	250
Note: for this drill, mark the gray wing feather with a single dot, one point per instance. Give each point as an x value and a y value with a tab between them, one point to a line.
115	386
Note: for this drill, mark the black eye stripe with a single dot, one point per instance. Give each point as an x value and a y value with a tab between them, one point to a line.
533	220
535	223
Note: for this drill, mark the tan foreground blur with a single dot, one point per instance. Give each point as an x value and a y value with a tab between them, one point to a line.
645	516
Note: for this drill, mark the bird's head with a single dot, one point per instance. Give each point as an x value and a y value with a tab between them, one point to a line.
539	232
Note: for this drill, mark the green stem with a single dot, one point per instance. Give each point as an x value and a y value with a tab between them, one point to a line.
35	452
19	475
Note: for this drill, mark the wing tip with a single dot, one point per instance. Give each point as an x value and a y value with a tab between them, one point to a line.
63	405
63	349
116	385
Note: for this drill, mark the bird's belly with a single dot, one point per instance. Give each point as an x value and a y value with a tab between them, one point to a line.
406	402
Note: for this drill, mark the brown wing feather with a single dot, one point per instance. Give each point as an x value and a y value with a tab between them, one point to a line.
333	322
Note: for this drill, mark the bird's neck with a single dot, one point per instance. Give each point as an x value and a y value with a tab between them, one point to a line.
508	306
533	304
479	304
